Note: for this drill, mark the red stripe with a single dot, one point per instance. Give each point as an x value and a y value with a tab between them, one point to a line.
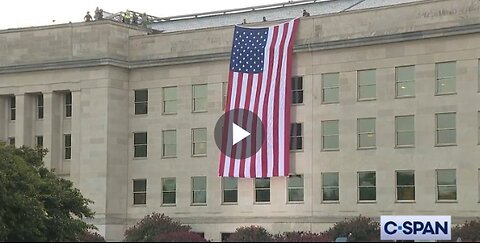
225	125
253	166
288	97
235	119
276	104
265	104
244	124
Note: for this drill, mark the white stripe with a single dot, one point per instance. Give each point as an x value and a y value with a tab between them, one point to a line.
241	105
282	106
226	169
253	96
258	155
271	96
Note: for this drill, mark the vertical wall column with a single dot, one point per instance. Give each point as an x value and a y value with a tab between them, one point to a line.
51	129
3	118
76	139
24	120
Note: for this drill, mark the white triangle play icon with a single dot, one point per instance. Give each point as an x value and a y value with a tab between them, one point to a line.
239	134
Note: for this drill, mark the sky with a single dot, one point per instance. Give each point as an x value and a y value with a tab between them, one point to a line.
23	13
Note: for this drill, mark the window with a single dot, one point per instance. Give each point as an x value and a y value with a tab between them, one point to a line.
200	97
330	187
366	133
446	78
11	141
330	88
330	136
224	94
295	188
39	141
296	136
405	81
68	104
170	100
199	141
367	88
139	192
169	143
140	145
262	190
297	90
40	106
405	131
169	191
405	185
68	146
230	190
199	190
367	190
446	129
141	102
446	185
13	105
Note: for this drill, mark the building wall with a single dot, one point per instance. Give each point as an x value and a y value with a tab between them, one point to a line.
103	63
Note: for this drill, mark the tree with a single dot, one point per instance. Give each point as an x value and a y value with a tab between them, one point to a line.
469	231
251	234
35	204
297	236
152	226
88	236
179	237
356	229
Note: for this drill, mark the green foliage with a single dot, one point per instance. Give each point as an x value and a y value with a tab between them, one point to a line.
179	237
356	229
35	204
251	234
88	236
469	231
152	226
297	236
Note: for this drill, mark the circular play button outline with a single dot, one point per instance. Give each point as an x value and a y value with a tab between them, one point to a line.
244	133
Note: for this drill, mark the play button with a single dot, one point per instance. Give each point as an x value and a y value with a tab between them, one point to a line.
239	133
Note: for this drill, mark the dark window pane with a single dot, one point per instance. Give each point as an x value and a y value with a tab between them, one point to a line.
296	129
230	183
447	193
169	198
297	83
39	142
68	140
330	179
141	95
446	177
406	193
139	185
262	196
68	98
405	178
367	194
297	97
367	179
230	196
199	197
141	108
140	138
295	195
295	181
169	184
199	183
330	194
140	151
68	111
139	198
262	183
447	137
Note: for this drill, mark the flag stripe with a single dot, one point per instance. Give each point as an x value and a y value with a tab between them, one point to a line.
264	89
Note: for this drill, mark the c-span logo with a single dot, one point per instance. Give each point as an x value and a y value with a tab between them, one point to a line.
415	227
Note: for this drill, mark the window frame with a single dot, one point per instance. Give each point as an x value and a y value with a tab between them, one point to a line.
40	107
139	192
397	132
37	139
337	134
164	155
438	79
67	147
12	107
142	102
140	144
297	91
437	186
397	82
397	186
224	95
337	187
256	189
164	191
203	141
437	144
164	100
291	188
195	98
324	88
193	203
359	147
359	187
359	86
228	189
68	104
296	137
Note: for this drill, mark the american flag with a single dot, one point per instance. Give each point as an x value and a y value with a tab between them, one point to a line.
259	81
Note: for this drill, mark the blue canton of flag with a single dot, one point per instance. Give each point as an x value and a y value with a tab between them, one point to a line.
248	50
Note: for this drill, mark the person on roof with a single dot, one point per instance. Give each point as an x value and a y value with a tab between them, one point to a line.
88	17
